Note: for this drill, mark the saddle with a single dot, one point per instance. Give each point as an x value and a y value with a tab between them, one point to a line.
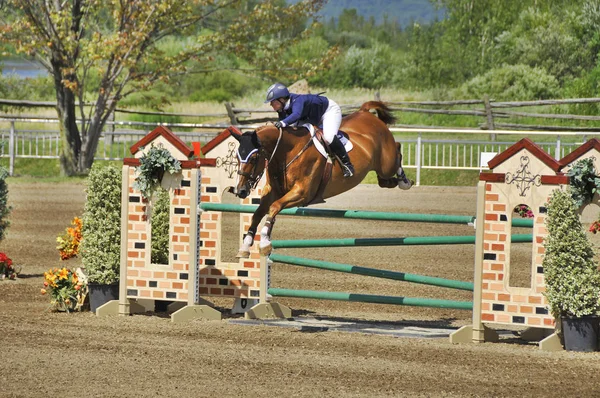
324	149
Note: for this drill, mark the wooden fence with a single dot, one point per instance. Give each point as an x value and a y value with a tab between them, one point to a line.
488	114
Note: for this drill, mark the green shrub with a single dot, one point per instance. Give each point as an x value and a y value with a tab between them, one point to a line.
572	277
33	89
101	245
160	227
361	67
586	86
5	209
512	83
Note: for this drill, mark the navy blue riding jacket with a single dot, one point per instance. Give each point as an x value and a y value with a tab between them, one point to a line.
306	108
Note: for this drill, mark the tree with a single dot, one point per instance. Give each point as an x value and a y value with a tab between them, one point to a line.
100	51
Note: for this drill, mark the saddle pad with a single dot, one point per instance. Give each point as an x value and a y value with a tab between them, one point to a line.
347	143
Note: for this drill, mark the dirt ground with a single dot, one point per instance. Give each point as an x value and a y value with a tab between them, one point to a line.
81	355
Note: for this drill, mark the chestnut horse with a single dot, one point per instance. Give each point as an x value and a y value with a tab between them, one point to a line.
295	167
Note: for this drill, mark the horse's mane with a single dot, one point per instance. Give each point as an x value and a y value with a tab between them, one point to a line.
263	127
291	131
383	111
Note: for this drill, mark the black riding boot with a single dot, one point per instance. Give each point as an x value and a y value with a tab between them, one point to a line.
338	149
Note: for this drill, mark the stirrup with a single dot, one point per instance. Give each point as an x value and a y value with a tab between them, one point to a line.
347	169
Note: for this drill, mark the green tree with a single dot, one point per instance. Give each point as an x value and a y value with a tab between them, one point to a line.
115	46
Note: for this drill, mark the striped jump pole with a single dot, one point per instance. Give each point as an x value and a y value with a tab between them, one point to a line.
409	241
358	214
371	298
377	273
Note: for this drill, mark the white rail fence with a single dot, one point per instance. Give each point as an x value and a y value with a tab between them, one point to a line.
422	149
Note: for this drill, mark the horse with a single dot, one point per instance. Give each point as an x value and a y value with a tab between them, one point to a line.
295	167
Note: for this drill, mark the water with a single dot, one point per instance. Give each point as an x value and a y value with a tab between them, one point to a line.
21	68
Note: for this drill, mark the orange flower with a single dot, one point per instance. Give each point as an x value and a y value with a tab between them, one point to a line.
43	291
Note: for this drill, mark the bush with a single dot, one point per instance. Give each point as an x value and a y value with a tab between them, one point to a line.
586	86
39	88
5	209
572	277
101	245
365	68
511	83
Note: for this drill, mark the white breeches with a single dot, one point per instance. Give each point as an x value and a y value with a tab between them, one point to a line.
332	119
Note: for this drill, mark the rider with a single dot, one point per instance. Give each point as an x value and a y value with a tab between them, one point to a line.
314	109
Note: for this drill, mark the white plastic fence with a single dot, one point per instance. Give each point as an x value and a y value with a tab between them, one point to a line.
421	148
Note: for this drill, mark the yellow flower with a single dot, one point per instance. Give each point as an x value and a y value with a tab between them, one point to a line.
64	274
43	291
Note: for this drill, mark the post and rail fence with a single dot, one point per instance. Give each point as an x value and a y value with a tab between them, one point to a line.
423	147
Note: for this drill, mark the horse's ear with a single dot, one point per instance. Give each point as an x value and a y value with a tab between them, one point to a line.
234	132
254	138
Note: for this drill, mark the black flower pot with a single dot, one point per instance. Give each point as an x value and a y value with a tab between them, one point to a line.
102	294
580	334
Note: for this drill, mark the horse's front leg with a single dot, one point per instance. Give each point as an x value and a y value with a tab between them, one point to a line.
294	197
265	203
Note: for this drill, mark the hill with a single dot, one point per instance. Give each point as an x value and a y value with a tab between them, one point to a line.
404	11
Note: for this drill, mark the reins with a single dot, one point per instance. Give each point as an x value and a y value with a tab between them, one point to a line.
256	179
308	143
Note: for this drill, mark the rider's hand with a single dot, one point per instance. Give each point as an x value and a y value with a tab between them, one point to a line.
278	125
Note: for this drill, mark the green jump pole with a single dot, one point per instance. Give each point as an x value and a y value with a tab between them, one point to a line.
377	273
357	214
370	298
409	241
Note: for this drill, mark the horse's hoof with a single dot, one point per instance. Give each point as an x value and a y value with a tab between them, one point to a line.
405	184
243	254
265	251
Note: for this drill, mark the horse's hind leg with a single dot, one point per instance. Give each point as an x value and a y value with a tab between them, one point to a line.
403	181
400	180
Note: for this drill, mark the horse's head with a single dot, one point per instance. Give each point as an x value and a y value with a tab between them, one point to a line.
251	166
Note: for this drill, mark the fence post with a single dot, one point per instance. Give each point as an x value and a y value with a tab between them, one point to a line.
232	118
490	116
418	159
557	150
11	149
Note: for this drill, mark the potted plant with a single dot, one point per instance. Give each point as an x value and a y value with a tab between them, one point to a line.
66	290
571	275
153	165
101	234
583	181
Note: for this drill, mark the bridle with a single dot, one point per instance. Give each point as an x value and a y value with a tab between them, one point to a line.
252	177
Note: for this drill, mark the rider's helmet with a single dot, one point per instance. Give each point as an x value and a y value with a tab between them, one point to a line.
276	91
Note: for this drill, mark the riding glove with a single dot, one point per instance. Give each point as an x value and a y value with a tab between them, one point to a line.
278	125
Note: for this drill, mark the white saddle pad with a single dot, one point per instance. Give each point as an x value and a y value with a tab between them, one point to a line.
347	143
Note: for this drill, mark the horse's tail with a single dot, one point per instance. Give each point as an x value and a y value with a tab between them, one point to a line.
383	111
